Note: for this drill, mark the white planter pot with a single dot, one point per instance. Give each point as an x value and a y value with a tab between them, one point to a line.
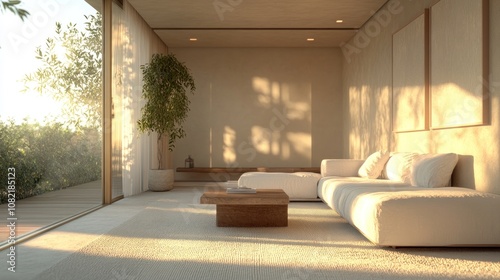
161	180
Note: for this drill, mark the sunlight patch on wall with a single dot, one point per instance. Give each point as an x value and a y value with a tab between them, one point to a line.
409	108
299	111
383	122
455	106
356	114
262	86
369	112
262	139
283	127
276	93
354	111
229	139
300	142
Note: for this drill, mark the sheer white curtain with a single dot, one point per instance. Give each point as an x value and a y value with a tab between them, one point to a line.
134	44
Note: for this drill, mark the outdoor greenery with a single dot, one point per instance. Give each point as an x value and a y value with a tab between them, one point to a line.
166	81
67	150
71	72
48	157
13	7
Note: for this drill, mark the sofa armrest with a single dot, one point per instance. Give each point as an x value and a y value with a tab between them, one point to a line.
341	167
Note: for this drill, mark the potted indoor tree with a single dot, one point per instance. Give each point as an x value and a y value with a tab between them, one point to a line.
166	84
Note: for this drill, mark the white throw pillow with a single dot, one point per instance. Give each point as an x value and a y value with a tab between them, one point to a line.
398	167
373	165
433	170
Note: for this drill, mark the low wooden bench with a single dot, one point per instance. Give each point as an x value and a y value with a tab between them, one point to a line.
241	170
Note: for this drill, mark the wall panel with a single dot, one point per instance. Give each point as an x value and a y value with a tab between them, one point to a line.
458	58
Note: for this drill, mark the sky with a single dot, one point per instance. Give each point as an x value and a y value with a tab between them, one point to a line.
18	42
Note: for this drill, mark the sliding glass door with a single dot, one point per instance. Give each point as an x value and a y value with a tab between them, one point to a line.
117	86
51	106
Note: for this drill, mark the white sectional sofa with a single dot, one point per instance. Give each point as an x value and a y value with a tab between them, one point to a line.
404	199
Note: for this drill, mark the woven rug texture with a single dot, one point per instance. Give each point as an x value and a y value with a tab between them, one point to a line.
175	237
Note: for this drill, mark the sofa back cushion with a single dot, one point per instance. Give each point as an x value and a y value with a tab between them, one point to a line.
373	165
433	170
340	167
398	167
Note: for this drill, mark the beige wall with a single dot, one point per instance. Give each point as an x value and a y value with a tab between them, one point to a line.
367	90
274	107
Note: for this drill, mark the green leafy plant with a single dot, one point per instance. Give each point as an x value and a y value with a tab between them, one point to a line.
71	71
166	83
12	6
48	157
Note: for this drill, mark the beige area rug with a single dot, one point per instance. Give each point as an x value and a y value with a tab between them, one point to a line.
174	237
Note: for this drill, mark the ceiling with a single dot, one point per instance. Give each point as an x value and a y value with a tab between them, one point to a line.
256	23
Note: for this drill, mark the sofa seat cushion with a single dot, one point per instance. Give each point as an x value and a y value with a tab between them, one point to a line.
298	185
336	191
388	213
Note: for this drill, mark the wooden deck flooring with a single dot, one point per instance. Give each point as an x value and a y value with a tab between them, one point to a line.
39	211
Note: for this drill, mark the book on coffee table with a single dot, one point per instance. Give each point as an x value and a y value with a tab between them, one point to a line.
241	190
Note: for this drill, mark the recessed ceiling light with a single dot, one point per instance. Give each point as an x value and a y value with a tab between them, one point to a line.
193	39
310	39
339	21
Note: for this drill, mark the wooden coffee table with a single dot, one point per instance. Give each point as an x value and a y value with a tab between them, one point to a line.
266	208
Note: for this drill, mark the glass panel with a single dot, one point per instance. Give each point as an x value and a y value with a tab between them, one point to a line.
117	96
50	113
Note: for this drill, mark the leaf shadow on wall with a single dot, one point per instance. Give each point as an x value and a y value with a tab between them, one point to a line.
270	126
